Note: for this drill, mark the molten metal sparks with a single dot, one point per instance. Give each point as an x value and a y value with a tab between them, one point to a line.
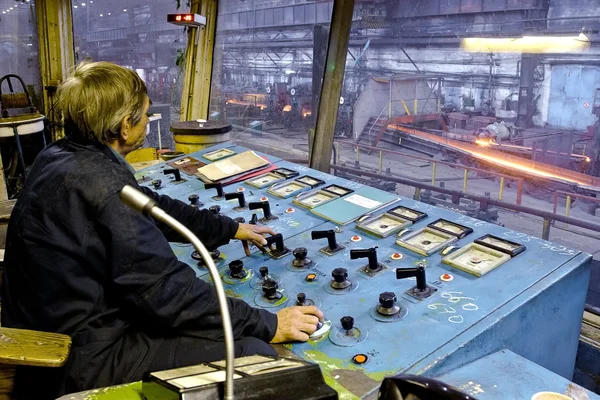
246	103
287	108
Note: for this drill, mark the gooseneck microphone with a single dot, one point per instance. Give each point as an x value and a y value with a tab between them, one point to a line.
145	205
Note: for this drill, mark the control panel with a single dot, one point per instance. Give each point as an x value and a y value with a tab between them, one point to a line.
405	283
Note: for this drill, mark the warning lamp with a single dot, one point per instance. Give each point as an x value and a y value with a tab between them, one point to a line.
186	19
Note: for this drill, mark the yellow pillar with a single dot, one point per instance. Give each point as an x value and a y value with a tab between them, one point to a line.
501	194
465	177
433	174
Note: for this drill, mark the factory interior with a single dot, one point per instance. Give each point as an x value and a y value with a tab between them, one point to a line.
448	150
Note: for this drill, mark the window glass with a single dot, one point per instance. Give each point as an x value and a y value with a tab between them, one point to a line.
136	35
267	71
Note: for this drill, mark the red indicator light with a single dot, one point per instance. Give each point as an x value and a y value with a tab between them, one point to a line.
188	17
178	18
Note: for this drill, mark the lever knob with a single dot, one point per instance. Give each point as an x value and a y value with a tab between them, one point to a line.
339	274
193	198
301	297
236	269
156	183
300	253
269	287
387	299
347	322
253	220
240	220
216	209
264	271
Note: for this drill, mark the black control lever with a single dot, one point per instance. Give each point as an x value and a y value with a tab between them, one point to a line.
195	200
418	272
218	186
332	245
371	254
240	198
265	206
253	220
421	290
330	235
175	172
276	239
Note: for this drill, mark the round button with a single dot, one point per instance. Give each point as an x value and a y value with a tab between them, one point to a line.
360	359
311	277
290	210
264	198
356	238
241	189
396	256
446	277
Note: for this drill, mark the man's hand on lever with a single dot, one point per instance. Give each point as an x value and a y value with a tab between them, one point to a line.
253	233
296	323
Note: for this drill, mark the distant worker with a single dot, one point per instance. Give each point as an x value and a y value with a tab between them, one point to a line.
80	262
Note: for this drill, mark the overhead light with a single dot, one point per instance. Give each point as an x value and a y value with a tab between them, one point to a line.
3	12
124	10
102	15
527	44
75	7
82	4
289	72
108	13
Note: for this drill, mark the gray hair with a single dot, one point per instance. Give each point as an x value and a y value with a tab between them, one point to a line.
96	99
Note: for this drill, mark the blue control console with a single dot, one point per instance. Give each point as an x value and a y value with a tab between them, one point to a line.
441	291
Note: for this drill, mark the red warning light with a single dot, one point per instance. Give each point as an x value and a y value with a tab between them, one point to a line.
188	17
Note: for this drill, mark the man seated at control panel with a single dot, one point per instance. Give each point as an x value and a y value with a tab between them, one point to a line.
80	262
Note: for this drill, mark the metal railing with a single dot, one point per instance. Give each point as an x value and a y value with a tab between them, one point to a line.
467	169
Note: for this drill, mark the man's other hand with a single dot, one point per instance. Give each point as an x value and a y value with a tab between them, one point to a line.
296	323
254	233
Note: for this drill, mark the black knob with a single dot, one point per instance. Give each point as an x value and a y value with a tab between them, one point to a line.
264	205
237	195
216	209
300	253
387	299
301	297
218	186
236	269
264	271
156	183
240	220
194	200
175	172
269	287
339	274
347	322
330	235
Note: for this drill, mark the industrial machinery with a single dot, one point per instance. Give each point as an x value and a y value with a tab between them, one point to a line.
405	287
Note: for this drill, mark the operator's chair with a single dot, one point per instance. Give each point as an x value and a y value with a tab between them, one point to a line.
26	122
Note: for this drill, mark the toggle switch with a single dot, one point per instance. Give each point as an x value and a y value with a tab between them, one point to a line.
239	196
175	172
421	290
332	245
218	187
373	267
280	250
266	207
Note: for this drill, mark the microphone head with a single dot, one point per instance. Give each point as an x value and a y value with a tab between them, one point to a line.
136	200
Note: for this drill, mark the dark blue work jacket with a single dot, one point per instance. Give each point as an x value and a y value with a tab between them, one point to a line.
80	262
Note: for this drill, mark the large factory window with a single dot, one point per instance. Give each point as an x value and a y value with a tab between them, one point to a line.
136	35
19	46
491	98
267	71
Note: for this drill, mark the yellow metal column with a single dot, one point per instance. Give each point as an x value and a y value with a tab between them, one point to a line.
57	55
198	65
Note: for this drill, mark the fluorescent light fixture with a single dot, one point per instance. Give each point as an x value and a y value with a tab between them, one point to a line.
289	72
102	15
75	7
527	44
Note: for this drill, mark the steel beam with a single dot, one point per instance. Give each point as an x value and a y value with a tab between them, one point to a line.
198	66
57	56
339	36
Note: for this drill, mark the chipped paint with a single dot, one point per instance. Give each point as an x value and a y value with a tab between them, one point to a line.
334	370
232	293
